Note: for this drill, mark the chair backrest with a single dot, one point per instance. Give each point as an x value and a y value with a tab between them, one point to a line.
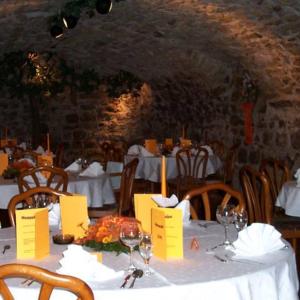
230	164
126	190
29	199
192	162
114	169
56	178
257	194
49	281
277	173
204	191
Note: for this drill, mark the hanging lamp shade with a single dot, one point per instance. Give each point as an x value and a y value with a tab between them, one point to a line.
56	31
70	21
103	7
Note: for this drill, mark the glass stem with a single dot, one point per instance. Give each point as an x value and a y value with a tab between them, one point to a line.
226	235
130	256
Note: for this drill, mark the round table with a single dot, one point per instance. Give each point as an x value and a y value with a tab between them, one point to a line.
199	275
289	198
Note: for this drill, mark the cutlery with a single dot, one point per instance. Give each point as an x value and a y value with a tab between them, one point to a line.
205	225
125	281
6	247
27	282
220	258
243	260
136	274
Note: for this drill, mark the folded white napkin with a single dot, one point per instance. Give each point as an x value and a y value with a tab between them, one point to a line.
40	150
139	150
175	150
41	178
84	265
8	150
54	214
93	170
74	167
208	148
297	176
164	201
258	239
22	146
184	205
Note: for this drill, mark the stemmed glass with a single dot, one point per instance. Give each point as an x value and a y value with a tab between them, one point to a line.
145	249
130	235
240	219
225	216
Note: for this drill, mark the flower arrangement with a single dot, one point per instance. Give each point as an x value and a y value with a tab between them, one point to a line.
104	235
16	168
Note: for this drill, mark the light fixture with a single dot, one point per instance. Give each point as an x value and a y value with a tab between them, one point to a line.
56	31
70	21
103	6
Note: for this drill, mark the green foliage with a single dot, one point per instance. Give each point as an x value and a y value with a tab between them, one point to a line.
111	247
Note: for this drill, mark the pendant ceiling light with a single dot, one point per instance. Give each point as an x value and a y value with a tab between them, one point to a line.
56	31
70	21
103	6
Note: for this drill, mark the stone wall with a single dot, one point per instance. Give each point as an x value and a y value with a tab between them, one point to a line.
192	55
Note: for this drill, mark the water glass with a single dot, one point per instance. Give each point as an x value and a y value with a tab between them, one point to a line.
145	249
130	236
225	216
240	219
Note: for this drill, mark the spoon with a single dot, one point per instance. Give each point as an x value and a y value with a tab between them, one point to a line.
6	247
138	273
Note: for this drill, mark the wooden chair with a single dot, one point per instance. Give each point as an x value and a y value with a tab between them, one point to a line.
191	168
260	205
203	193
56	178
277	173
218	148
124	204
49	281
28	199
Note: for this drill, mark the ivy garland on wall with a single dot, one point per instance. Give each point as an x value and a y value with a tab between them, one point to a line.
38	76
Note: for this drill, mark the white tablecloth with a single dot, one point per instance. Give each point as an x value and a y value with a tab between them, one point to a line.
198	276
98	190
149	168
289	199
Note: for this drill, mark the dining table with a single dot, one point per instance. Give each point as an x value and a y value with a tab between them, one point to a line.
200	274
149	167
98	190
289	198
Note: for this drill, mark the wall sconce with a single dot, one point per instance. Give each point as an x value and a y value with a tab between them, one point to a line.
103	6
70	21
56	31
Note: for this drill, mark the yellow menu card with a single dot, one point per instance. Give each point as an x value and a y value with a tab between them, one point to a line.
167	233
142	207
151	145
74	215
32	232
169	143
3	162
185	143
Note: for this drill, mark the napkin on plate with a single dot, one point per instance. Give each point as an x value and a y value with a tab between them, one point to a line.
175	150
139	150
40	150
93	170
164	201
297	176
73	167
84	265
41	178
258	239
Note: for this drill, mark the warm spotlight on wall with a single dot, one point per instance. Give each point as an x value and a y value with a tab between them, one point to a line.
70	21
56	31
103	6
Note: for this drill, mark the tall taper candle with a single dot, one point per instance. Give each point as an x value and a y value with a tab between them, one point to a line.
163	177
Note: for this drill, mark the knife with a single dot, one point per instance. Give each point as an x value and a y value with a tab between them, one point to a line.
125	281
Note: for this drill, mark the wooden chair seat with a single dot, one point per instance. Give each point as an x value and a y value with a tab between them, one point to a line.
49	281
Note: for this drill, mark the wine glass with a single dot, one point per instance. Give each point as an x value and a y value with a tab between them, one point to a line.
240	219
130	236
225	216
145	249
